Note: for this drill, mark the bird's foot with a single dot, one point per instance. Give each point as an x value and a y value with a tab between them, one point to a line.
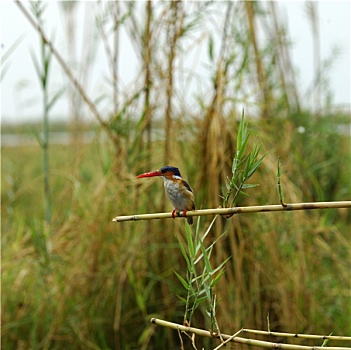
182	214
178	213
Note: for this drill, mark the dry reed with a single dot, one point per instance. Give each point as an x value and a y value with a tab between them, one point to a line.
238	210
252	342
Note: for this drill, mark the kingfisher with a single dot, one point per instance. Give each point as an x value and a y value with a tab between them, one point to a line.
177	190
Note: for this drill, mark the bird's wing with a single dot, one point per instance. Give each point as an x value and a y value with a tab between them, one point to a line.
187	186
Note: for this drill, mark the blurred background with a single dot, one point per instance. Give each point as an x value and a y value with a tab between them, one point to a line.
94	93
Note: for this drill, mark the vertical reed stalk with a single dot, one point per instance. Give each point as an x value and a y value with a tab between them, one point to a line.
45	148
312	11
173	35
147	80
282	56
42	70
115	8
261	74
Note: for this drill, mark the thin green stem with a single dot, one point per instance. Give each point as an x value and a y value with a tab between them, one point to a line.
45	148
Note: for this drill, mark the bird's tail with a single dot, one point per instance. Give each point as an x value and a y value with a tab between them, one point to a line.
190	220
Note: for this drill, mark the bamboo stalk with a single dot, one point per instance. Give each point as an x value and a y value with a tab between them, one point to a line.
238	210
250	342
295	335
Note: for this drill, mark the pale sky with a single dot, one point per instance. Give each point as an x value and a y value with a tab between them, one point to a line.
20	91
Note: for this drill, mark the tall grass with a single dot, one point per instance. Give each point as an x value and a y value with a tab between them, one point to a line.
100	282
43	71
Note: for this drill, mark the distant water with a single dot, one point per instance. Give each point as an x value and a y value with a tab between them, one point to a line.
60	138
65	138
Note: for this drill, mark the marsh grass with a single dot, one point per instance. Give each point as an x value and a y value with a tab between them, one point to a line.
97	284
98	278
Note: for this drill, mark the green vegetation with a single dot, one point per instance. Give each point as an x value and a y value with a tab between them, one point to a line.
200	278
95	284
244	166
93	279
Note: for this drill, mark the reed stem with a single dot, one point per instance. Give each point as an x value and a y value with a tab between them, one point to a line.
250	342
239	210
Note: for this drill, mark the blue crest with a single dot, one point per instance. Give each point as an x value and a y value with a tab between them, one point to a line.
172	169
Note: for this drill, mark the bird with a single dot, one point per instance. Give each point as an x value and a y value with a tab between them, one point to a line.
177	190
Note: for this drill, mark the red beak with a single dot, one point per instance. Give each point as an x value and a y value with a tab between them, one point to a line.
150	174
